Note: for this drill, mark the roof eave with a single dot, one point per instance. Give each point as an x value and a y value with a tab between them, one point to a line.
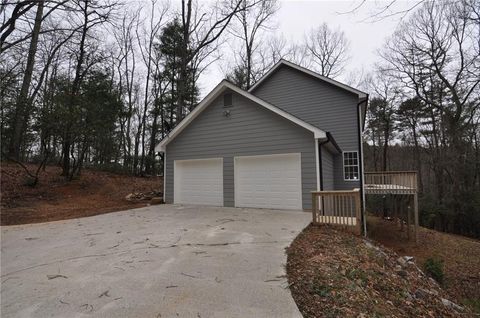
223	85
361	95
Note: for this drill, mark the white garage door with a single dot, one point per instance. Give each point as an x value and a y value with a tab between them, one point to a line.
272	181
198	182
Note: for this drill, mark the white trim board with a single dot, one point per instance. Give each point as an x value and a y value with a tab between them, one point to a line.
164	176
309	72
222	86
317	164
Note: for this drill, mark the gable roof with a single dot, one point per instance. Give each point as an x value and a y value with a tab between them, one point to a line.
221	87
360	94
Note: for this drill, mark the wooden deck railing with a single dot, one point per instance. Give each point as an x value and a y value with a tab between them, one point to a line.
397	182
341	208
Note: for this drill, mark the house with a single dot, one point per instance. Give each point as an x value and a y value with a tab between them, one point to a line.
292	133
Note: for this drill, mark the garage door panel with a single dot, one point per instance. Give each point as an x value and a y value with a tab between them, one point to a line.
198	182
268	181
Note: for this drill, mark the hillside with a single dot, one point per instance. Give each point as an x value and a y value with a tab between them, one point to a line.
460	256
53	199
332	273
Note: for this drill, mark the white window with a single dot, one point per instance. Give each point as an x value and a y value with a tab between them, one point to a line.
350	166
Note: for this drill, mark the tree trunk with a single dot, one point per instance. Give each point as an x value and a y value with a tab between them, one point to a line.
73	94
22	109
386	137
418	162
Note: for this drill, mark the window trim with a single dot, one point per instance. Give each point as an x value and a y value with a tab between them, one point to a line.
357	165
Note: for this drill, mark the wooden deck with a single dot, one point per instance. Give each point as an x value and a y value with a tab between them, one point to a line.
343	208
391	182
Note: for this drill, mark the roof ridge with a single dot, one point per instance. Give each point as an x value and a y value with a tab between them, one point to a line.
310	72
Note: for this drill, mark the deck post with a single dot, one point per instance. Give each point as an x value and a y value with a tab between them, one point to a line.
358	216
415	203
314	207
409	213
398	183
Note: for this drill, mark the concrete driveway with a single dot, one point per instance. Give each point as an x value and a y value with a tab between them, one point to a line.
158	261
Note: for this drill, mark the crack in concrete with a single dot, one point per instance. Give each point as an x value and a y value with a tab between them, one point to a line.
137	249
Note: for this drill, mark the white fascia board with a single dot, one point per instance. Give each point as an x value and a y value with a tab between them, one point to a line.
318	133
305	70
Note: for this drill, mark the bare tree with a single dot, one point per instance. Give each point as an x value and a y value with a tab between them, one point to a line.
90	14
9	24
125	61
208	24
328	49
147	50
434	55
247	27
15	27
382	112
22	108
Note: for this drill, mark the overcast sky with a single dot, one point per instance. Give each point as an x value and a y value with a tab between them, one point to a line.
295	18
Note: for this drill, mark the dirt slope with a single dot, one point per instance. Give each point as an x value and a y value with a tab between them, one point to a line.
55	199
460	256
336	274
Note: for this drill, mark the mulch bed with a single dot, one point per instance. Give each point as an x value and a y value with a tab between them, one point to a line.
337	274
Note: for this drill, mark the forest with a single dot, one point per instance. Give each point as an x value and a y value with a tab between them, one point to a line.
98	83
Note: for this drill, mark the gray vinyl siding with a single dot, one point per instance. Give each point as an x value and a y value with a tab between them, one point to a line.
249	130
327	169
319	103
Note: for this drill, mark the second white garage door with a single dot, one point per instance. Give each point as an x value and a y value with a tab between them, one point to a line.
198	182
272	181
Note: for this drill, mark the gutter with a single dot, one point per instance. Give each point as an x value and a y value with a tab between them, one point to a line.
332	140
364	100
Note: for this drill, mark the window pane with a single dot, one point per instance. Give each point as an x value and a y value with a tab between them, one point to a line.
350	165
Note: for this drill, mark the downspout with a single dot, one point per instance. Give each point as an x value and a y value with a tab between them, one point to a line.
320	159
361	164
319	146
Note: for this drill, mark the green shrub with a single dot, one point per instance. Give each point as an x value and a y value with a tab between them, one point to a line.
322	290
434	268
473	303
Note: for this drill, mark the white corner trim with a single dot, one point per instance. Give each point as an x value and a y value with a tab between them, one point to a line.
314	74
223	85
164	175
